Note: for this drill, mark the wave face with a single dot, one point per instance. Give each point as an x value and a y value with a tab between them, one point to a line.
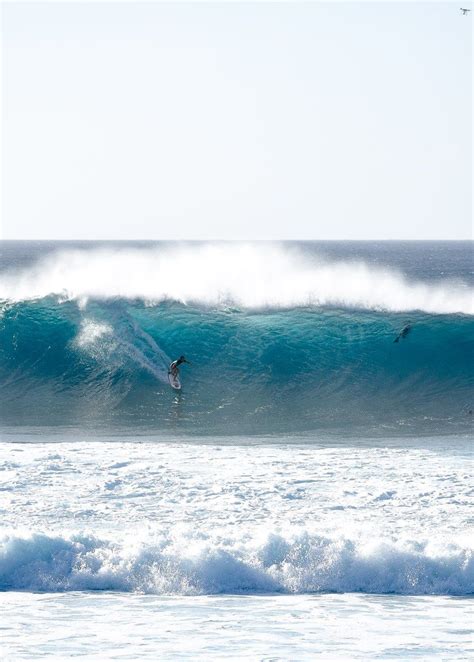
303	563
279	341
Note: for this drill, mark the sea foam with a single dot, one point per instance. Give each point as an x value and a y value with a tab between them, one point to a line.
302	563
248	275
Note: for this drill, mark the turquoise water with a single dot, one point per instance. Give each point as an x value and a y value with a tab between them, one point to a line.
281	339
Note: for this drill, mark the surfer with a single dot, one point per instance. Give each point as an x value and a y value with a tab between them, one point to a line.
174	366
404	332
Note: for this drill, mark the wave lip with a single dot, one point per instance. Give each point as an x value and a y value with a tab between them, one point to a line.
251	276
303	563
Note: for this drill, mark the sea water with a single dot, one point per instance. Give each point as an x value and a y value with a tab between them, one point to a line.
307	495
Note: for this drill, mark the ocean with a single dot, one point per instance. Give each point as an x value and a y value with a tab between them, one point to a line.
306	495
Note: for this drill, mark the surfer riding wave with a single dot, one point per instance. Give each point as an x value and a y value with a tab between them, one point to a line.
174	366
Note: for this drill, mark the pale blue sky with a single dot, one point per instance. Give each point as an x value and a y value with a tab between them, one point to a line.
237	120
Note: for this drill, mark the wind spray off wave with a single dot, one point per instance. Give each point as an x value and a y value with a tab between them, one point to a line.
251	276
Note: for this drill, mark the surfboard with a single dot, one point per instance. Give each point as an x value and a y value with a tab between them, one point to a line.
174	381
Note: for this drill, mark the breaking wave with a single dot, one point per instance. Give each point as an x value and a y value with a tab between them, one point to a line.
302	563
278	343
249	276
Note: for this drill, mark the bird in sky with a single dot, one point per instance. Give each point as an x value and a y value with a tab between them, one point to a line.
464	11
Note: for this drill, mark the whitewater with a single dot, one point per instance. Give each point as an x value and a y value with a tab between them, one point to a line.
308	495
247	275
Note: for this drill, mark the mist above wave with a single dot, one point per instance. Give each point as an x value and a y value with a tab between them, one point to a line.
250	276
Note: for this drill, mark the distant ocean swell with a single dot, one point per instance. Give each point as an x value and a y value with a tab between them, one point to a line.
303	563
87	338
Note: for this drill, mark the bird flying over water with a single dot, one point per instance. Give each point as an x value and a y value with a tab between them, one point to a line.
464	11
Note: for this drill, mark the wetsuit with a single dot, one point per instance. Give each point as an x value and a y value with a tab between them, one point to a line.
173	369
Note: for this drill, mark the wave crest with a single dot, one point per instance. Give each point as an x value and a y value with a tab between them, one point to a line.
250	276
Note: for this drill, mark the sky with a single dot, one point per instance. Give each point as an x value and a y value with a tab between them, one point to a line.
229	120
